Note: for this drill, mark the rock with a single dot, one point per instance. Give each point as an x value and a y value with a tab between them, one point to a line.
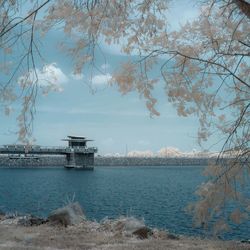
24	221
71	214
11	215
132	224
122	225
36	221
143	232
160	234
245	241
164	235
173	237
31	221
13	221
2	215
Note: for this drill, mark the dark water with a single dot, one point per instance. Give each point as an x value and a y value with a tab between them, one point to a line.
159	195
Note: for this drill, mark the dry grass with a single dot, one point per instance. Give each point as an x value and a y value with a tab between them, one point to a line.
91	235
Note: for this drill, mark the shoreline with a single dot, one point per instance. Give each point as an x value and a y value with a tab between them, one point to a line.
107	234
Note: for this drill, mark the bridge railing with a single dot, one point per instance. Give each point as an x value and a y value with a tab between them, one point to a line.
44	149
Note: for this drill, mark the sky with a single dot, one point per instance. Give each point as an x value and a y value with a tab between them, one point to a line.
117	123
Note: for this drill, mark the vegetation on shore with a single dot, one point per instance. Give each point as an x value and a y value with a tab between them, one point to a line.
28	232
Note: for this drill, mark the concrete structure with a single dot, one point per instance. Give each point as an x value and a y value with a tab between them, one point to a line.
152	161
75	155
79	156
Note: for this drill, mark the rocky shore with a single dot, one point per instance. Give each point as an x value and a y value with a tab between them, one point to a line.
68	228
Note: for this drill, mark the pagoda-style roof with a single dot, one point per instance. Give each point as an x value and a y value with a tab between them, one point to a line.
76	138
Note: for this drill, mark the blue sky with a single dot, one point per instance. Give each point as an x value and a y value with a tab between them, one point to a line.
113	121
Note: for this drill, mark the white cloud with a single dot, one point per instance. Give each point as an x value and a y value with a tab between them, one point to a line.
101	79
51	71
50	76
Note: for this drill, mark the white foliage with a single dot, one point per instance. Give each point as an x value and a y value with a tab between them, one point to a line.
169	152
146	153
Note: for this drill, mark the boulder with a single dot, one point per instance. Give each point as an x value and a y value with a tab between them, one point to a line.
36	221
245	241
164	235
131	224
122	225
31	221
143	232
173	237
71	214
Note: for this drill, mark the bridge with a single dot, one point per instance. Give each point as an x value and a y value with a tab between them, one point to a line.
77	153
23	149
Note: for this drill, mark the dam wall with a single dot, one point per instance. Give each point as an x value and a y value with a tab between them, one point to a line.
151	161
99	161
61	160
33	161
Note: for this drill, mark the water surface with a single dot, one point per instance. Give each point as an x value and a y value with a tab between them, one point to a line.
157	194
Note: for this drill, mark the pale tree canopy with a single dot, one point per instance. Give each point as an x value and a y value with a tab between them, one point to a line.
204	65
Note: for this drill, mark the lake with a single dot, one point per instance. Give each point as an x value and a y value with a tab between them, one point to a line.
157	194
